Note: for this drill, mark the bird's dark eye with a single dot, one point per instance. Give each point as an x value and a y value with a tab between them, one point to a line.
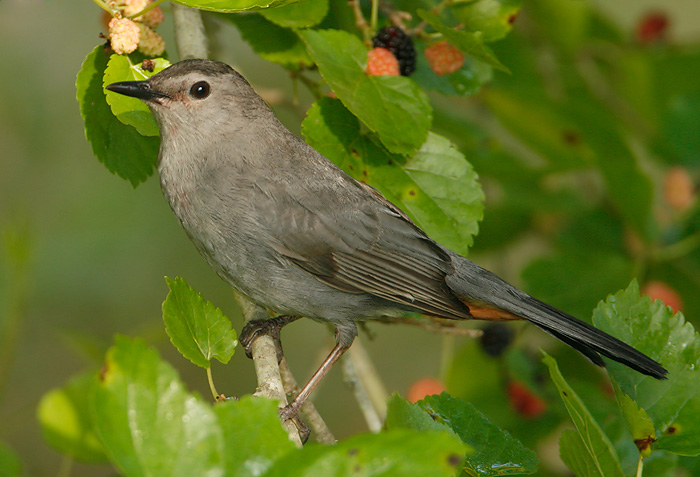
200	90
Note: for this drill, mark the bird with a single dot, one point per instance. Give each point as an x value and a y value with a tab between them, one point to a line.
294	233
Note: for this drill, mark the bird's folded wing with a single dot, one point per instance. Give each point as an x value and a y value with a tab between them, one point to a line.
376	251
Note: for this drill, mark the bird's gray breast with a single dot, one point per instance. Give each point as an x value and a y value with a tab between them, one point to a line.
219	204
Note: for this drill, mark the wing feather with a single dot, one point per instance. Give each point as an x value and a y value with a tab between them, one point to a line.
384	254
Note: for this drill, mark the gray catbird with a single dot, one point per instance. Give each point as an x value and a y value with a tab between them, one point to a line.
298	236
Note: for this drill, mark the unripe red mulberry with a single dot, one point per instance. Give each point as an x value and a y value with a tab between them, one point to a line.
424	387
444	58
382	62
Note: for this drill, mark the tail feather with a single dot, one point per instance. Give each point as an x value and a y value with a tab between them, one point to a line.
585	350
589	340
471	282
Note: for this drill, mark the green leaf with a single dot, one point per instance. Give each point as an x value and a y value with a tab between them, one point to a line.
10	465
469	43
65	420
272	42
131	111
253	435
494	18
600	451
197	328
690	464
120	148
574	453
437	187
340	17
230	6
302	14
653	329
444	174
662	464
638	422
394	107
683	435
479	379
388	454
146	419
495	452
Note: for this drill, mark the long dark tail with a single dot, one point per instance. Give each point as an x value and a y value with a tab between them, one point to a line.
589	340
471	282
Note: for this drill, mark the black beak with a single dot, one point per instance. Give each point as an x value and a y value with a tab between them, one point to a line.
137	89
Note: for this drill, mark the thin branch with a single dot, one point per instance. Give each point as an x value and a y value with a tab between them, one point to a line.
374	16
369	376
640	465
360	21
105	7
361	376
267	369
352	380
396	17
190	37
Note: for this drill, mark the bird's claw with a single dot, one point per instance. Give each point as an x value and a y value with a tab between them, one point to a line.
289	412
257	328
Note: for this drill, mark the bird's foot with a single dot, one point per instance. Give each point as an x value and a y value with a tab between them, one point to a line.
256	328
289	411
301	426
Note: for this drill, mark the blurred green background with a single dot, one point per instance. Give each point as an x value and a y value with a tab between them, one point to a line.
97	249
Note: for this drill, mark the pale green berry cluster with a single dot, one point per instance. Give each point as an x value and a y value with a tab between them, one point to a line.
126	35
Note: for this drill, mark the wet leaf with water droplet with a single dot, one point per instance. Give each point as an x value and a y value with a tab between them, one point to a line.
131	410
494	451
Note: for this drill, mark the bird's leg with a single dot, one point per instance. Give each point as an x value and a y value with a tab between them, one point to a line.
291	409
345	334
272	327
